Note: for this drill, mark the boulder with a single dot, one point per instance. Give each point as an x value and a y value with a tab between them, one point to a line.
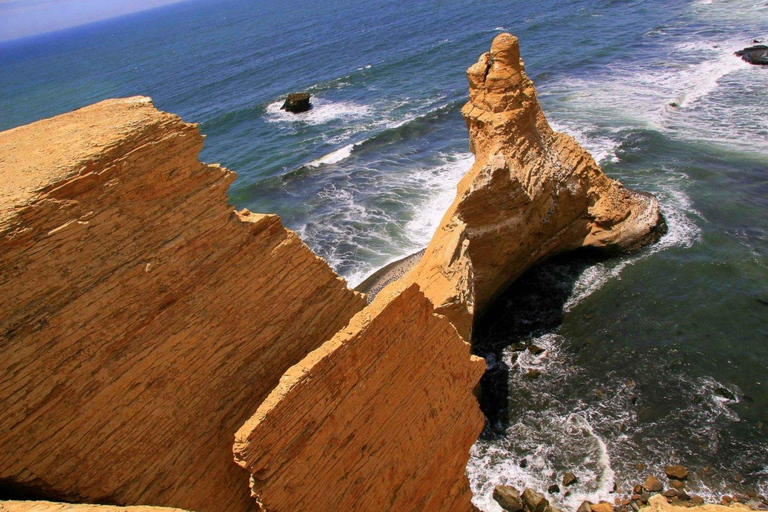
757	54
508	498
677	472
569	479
603	506
553	489
297	102
535	350
652	484
534	502
677	484
585	507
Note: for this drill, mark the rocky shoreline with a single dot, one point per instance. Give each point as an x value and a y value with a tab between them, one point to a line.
651	493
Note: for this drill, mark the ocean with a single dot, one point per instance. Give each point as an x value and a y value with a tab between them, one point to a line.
653	358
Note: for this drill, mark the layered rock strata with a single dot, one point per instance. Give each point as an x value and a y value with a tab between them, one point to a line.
381	417
530	194
49	506
142	319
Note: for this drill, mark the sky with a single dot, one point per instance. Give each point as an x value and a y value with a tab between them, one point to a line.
22	18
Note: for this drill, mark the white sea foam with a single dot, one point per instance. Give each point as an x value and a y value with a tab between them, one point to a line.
333	157
695	92
323	111
437	186
441	181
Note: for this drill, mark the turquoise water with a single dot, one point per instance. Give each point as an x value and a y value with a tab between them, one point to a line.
649	341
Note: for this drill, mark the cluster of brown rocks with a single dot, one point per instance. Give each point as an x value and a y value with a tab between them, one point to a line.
641	493
676	494
511	500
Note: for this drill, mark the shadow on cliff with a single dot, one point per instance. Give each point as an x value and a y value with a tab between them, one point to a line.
532	306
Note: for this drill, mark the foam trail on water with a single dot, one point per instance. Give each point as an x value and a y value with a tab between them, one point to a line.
333	157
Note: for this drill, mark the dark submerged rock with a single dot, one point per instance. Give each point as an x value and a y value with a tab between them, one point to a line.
757	54
297	102
725	393
535	350
508	498
553	489
533	374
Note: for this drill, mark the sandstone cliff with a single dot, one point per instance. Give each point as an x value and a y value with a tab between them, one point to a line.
49	506
530	194
142	319
381	417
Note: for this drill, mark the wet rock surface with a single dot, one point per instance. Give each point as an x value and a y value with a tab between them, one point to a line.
757	54
297	102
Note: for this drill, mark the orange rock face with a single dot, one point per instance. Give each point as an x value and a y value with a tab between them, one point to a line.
530	194
381	417
49	506
142	320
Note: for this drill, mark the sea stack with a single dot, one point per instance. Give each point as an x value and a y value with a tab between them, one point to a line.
297	102
531	193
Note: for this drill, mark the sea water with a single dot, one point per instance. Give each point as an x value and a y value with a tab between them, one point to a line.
653	358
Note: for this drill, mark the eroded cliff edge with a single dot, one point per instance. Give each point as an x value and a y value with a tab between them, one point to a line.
531	193
143	320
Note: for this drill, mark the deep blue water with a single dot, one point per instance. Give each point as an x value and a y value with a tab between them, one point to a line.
637	346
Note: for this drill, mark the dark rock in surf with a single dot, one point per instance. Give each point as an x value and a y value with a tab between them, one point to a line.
518	347
553	489
569	479
297	102
508	498
757	54
535	350
725	393
585	507
523	463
